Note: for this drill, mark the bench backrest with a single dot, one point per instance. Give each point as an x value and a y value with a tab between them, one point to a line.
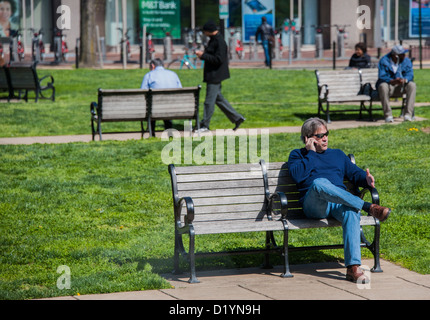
23	77
369	75
123	105
174	103
221	192
339	83
4	82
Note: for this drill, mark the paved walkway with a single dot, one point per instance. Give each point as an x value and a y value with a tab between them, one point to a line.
136	136
317	281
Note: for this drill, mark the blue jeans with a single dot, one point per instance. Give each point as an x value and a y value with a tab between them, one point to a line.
267	54
324	200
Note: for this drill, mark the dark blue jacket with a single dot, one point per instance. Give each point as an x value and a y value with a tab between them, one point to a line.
386	73
333	164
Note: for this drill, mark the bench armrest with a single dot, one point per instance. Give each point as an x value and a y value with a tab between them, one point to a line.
93	109
46	77
373	193
281	198
323	92
189	217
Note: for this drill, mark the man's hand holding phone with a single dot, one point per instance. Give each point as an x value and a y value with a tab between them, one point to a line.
310	144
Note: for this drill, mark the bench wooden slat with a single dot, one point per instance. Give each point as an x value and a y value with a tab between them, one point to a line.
229	216
211	185
256	207
203	193
244	226
220	168
228	200
216	177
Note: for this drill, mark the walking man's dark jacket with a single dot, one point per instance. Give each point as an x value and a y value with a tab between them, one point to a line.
216	60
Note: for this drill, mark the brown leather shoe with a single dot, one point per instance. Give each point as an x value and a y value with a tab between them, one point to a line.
380	213
355	274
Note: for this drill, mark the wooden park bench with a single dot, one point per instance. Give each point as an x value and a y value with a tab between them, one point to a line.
24	77
238	198
144	106
175	104
119	106
340	87
4	82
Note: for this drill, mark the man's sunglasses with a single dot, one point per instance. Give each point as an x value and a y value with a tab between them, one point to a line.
320	135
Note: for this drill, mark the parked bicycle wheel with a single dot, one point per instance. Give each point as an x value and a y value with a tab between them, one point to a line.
178	64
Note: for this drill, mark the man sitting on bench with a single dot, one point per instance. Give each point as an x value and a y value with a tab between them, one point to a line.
319	173
396	75
160	78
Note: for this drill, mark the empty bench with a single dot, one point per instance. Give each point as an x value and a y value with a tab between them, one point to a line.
4	82
143	106
238	198
23	77
340	87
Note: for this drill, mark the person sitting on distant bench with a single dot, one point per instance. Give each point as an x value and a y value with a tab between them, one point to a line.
396	75
160	78
360	59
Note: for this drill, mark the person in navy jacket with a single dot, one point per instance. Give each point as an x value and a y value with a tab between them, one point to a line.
319	173
396	74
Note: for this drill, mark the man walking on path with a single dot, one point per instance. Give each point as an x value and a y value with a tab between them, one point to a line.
216	70
267	37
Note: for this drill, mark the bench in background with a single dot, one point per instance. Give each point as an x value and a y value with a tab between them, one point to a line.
175	104
144	106
340	87
119	106
5	82
24	77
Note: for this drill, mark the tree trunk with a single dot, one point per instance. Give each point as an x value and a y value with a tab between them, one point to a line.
88	42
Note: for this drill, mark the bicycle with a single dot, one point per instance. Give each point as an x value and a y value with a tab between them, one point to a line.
37	45
188	60
17	51
60	46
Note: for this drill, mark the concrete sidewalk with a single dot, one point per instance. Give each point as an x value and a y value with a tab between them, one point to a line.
137	136
316	281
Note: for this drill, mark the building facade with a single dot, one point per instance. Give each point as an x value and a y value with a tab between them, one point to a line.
382	22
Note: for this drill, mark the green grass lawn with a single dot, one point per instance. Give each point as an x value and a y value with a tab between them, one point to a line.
267	98
104	209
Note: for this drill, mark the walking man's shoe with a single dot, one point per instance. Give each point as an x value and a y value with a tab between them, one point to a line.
380	213
355	274
238	123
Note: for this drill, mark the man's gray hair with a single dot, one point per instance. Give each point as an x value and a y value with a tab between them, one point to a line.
157	62
310	126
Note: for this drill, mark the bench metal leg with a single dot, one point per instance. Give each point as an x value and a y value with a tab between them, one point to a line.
178	242
286	273
269	241
327	111
374	246
193	278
